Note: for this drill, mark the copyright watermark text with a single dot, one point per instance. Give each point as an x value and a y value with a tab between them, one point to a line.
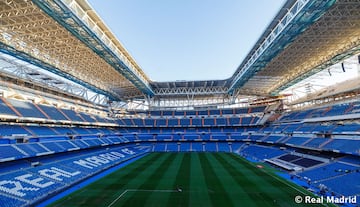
325	199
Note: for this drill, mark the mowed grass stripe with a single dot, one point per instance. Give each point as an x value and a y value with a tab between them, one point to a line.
199	190
251	191
183	181
141	165
206	179
120	178
116	183
127	179
149	184
199	195
266	175
236	190
142	179
271	191
269	183
220	196
166	183
102	191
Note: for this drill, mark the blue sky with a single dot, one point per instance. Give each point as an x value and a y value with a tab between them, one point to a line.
188	39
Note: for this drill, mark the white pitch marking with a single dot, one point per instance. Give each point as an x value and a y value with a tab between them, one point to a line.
141	190
114	201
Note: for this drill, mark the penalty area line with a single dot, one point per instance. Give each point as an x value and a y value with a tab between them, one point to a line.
139	190
114	201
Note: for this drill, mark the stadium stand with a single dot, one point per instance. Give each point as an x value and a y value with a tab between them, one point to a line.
261	152
31	184
163	133
26	109
5	108
52	136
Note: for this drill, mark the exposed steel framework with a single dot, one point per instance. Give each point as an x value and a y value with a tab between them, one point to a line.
68	38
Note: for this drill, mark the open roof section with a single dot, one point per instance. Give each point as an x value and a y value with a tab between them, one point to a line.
303	39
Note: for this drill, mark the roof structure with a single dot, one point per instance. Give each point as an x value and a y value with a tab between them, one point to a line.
68	38
50	35
304	38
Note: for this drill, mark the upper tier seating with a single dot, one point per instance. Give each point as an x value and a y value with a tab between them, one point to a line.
334	110
202	113
72	115
343	145
53	113
26	109
309	128
87	117
13	107
187	122
5	109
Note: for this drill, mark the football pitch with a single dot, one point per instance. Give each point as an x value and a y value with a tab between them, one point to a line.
188	179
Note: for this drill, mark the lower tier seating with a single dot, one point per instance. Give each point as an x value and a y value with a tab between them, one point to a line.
30	184
339	177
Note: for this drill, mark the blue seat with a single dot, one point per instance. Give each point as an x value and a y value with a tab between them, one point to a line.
26	109
52	112
9	152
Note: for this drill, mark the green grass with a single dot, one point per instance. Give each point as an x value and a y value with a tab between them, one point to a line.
206	179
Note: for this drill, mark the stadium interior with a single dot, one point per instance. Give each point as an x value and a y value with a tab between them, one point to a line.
73	102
